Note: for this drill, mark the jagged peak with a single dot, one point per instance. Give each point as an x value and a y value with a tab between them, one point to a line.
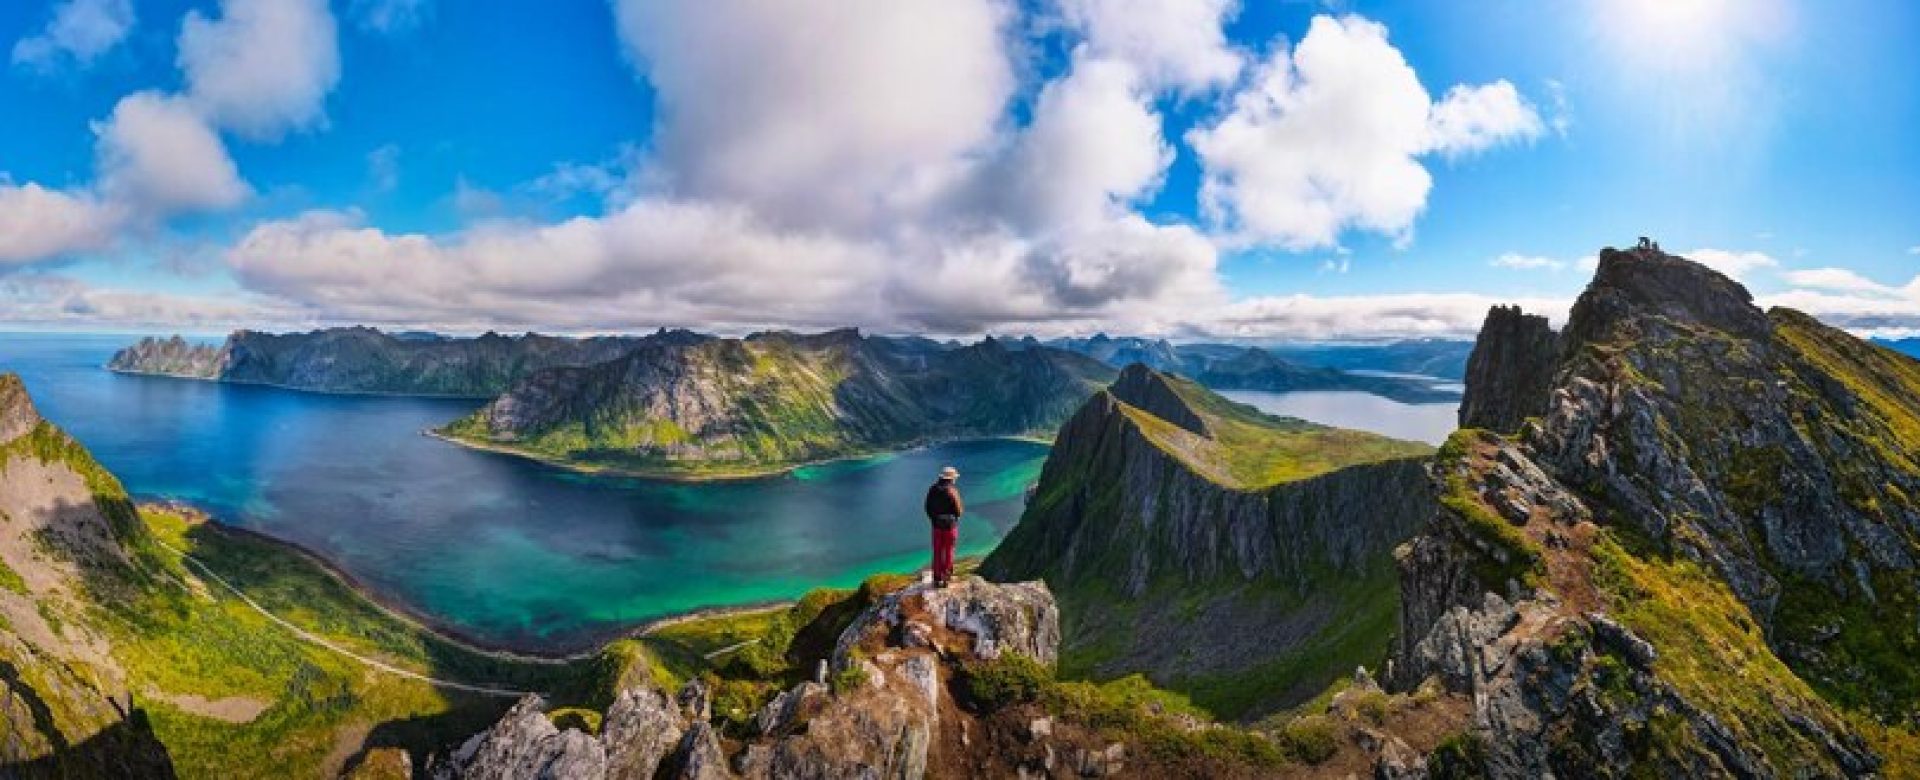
1148	390
1646	280
18	417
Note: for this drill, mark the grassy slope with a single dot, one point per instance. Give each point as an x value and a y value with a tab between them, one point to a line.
179	635
1249	451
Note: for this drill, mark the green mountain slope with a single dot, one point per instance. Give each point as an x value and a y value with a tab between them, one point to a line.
774	400
1240	558
126	650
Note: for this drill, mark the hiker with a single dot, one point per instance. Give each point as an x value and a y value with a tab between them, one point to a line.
944	510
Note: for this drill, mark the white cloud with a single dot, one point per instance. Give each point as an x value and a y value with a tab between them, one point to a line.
1735	265
844	108
389	16
1476	118
1519	262
158	156
43	299
1836	279
79	32
262	68
1409	315
1914	250
1093	145
1177	43
1326	138
36	223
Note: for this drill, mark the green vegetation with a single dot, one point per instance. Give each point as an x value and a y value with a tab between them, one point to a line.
1250	450
1713	653
1511	556
229	691
775	401
1128	709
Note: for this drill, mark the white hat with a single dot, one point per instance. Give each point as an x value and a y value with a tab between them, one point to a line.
949	473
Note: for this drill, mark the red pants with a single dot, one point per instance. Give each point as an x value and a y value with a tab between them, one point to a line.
943	541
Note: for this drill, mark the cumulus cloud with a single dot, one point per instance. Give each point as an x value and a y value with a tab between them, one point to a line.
1328	135
844	108
158	156
262	68
1476	118
36	222
1094	143
79	32
1835	279
1177	43
1735	265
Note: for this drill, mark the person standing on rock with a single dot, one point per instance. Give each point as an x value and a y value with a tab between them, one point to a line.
943	511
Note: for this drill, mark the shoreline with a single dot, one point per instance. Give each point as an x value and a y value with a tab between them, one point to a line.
730	476
440	630
212	380
437	628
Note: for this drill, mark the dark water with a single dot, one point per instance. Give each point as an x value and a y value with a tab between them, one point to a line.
502	549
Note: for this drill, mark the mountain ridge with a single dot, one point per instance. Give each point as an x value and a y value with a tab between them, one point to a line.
1252	530
772	401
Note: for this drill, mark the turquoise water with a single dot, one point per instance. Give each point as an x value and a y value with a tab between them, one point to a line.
504	550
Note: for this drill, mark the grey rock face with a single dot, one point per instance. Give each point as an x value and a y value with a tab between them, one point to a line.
526	745
886	728
1509	371
1018	617
17	414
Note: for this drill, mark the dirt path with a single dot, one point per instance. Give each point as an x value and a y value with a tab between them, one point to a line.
317	640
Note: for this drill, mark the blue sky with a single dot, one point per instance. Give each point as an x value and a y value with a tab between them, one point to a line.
1195	168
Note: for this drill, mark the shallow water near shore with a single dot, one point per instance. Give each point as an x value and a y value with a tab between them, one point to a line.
500	549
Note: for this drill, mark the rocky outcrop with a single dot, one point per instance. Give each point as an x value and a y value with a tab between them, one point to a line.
892	715
1126	524
1560	687
777	399
1509	371
365	360
1708	491
17	415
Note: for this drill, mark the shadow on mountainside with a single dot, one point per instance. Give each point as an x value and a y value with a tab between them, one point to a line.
125	749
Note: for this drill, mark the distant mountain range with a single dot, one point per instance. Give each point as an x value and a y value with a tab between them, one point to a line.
774	400
365	360
1235	367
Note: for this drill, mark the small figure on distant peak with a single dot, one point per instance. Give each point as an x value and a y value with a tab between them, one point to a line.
1646	244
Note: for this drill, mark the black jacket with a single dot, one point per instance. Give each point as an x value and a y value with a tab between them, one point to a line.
944	499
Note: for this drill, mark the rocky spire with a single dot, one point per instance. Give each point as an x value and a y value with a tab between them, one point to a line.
17	415
1509	371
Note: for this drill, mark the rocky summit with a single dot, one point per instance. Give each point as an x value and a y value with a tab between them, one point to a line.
775	400
1166	513
891	710
1694	557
